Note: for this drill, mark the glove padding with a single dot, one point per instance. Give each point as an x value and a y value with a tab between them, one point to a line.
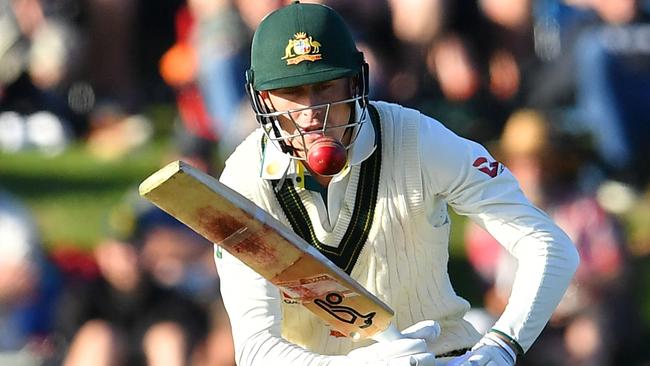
489	351
408	351
428	330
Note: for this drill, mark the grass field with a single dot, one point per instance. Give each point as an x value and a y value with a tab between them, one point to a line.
70	194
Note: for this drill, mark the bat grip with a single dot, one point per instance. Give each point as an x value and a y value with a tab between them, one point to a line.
392	334
389	334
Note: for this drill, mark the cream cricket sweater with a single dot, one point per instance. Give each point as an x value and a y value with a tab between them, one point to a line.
404	261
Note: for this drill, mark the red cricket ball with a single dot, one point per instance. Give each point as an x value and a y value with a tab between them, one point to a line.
326	156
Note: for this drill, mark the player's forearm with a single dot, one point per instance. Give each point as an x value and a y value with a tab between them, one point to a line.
253	307
265	349
547	261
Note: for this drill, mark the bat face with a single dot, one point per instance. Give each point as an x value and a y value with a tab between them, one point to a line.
249	233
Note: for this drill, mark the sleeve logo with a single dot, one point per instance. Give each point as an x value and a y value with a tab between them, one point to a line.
491	168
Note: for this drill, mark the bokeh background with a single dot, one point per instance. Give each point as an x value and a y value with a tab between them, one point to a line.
95	95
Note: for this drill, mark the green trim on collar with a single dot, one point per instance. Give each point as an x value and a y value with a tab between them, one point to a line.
312	184
347	253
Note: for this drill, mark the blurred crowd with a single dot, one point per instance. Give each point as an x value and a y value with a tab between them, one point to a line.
558	90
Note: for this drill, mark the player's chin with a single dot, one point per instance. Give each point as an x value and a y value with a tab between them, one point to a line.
337	133
298	151
302	145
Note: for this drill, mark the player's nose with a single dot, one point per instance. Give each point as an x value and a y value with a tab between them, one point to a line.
311	119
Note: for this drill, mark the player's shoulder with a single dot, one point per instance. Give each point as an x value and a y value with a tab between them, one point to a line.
428	128
398	113
248	151
394	111
243	165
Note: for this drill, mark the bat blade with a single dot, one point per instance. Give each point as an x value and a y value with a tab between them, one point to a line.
249	233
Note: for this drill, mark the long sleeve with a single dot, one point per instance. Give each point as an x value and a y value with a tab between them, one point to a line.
477	186
253	304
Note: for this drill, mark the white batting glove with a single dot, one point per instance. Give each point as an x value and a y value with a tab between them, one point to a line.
408	351
489	351
427	330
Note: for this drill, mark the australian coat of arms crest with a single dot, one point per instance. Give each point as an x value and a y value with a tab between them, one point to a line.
301	48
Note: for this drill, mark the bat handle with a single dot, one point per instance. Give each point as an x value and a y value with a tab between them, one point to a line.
392	334
389	334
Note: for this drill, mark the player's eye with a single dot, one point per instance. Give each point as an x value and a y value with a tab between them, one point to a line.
323	87
286	92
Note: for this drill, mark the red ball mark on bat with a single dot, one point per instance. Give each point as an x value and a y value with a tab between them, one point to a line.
490	168
336	333
302	293
232	235
218	225
327	156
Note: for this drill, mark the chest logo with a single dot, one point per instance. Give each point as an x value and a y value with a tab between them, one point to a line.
302	48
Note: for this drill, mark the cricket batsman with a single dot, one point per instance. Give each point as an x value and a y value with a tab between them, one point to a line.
368	184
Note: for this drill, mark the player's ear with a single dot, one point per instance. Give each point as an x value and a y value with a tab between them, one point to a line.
264	96
265	99
353	83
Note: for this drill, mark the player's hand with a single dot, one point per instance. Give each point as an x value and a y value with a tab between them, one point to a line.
408	351
428	330
401	352
487	352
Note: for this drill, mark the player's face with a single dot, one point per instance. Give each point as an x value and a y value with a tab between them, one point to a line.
311	112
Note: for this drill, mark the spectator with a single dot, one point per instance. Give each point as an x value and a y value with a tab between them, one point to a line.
126	316
38	51
473	76
29	288
223	34
602	77
613	87
177	257
197	131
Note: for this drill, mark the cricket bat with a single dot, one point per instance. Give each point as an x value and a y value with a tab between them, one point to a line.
249	233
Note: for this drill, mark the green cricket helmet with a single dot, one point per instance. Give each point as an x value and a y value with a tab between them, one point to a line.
303	44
